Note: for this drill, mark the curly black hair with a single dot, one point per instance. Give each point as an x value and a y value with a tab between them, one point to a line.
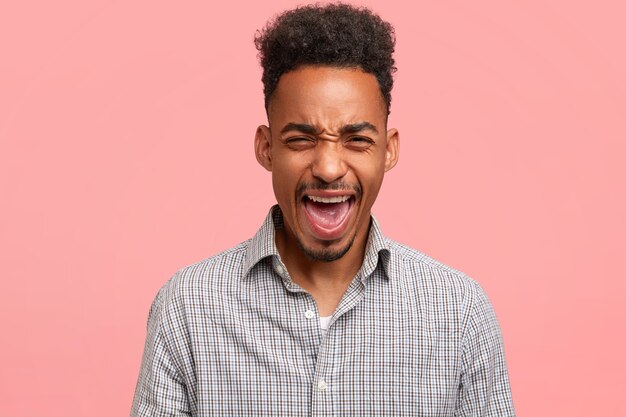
337	35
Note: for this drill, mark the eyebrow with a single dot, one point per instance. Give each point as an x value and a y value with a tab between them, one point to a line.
310	130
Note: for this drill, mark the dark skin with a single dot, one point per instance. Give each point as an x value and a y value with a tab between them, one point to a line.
327	137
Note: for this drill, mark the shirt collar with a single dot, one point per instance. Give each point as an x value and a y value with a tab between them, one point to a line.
263	245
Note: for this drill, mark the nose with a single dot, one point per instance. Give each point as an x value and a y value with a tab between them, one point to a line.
328	164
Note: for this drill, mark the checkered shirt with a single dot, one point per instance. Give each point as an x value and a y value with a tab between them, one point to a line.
233	335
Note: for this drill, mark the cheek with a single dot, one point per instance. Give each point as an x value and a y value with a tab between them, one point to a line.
369	170
370	183
285	182
290	169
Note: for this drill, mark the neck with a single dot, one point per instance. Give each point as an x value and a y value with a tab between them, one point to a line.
325	281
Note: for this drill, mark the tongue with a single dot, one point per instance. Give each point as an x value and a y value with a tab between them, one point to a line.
327	215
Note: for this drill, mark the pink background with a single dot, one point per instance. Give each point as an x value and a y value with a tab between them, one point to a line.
126	153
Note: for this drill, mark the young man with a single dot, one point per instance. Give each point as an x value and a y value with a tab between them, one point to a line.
319	313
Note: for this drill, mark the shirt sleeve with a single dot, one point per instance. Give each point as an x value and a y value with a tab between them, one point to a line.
485	389
160	389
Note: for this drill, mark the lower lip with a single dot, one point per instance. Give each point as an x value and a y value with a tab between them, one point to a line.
330	234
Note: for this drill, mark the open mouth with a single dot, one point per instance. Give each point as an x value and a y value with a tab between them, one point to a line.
328	215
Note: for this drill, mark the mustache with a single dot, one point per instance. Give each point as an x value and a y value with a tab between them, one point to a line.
322	186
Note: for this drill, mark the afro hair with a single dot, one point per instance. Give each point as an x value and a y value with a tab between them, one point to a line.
337	35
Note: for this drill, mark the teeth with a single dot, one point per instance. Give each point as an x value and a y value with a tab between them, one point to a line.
337	199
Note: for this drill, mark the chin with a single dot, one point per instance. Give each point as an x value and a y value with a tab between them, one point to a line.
327	254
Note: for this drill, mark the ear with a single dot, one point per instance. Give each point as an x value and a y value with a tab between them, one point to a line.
263	147
392	149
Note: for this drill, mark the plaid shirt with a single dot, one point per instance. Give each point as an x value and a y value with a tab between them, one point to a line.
233	335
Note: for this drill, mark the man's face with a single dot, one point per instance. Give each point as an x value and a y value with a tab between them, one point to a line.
328	149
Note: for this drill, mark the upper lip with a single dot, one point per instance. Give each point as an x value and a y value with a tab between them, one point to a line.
353	191
334	199
329	193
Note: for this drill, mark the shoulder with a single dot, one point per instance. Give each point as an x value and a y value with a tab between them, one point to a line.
433	280
199	283
229	262
414	265
447	297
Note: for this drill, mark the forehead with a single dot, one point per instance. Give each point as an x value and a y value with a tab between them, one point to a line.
328	97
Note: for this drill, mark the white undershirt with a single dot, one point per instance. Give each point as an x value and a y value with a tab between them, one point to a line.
324	323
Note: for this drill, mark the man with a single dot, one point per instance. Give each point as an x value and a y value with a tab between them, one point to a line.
319	313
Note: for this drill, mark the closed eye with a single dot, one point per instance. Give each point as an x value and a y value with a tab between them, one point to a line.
359	142
299	142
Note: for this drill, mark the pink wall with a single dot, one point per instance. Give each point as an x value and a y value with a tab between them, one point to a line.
126	152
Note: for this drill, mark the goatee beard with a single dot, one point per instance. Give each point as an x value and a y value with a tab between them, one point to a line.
325	255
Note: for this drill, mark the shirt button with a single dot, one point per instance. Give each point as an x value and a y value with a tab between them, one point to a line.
322	385
309	314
